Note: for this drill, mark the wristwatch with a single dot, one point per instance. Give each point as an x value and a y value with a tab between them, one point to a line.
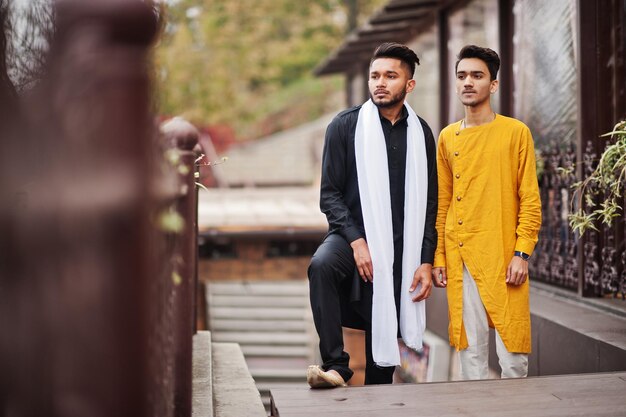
522	255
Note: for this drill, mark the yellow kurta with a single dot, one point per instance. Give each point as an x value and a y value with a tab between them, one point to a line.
489	207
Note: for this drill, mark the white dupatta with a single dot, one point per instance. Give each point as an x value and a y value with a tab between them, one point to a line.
373	179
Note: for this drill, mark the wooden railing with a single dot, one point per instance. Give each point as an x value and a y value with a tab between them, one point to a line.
97	231
180	254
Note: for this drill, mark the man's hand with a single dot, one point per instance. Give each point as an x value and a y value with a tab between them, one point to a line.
422	276
517	272
363	259
440	278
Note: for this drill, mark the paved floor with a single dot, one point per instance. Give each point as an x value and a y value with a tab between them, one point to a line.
602	394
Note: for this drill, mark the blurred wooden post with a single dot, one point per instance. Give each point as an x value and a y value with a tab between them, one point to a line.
75	284
199	322
183	137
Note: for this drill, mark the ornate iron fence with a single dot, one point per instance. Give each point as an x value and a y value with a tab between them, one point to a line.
556	253
556	259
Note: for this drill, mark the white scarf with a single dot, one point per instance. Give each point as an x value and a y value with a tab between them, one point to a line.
373	178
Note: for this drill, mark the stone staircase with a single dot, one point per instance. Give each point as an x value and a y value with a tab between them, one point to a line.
272	323
222	385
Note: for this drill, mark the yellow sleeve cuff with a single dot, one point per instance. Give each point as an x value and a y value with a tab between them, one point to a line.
525	245
440	260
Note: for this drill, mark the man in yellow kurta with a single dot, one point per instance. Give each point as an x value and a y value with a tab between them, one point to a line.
488	222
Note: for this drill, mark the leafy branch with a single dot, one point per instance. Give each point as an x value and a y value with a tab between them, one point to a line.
199	162
170	220
607	180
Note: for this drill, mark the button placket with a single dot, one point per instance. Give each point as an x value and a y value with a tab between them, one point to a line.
457	187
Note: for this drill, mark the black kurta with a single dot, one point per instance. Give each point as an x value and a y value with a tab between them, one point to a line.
340	200
339	196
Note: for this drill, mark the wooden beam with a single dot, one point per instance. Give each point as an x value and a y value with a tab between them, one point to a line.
398	21
400	16
506	52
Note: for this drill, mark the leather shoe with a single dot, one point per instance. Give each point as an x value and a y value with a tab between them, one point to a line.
317	378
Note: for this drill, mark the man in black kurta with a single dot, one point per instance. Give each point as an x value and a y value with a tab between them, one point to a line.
340	294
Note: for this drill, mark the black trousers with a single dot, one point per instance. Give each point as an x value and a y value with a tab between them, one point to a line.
330	276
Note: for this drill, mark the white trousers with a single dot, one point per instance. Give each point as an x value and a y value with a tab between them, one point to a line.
474	359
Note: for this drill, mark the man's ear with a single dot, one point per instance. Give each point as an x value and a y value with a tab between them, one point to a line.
494	86
410	85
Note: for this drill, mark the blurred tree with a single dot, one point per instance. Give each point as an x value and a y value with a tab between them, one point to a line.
27	30
239	62
7	89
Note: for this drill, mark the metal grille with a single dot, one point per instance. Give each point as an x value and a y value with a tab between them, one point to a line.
556	252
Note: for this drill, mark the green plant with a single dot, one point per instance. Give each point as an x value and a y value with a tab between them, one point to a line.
597	198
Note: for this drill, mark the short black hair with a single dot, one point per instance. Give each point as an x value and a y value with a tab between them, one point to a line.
397	51
488	56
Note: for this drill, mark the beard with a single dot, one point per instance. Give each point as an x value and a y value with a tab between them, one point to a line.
389	102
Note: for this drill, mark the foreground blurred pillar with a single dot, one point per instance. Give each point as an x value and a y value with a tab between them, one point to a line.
74	259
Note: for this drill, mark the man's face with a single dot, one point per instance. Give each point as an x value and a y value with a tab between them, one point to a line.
473	82
389	82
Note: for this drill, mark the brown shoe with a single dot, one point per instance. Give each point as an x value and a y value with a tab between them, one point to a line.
317	378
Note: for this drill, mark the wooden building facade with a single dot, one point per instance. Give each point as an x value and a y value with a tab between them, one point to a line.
563	75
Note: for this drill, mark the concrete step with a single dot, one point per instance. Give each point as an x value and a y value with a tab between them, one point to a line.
251	351
265	375
271	322
256	325
259	288
260	313
202	377
218	300
265	387
234	391
266	362
265	338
